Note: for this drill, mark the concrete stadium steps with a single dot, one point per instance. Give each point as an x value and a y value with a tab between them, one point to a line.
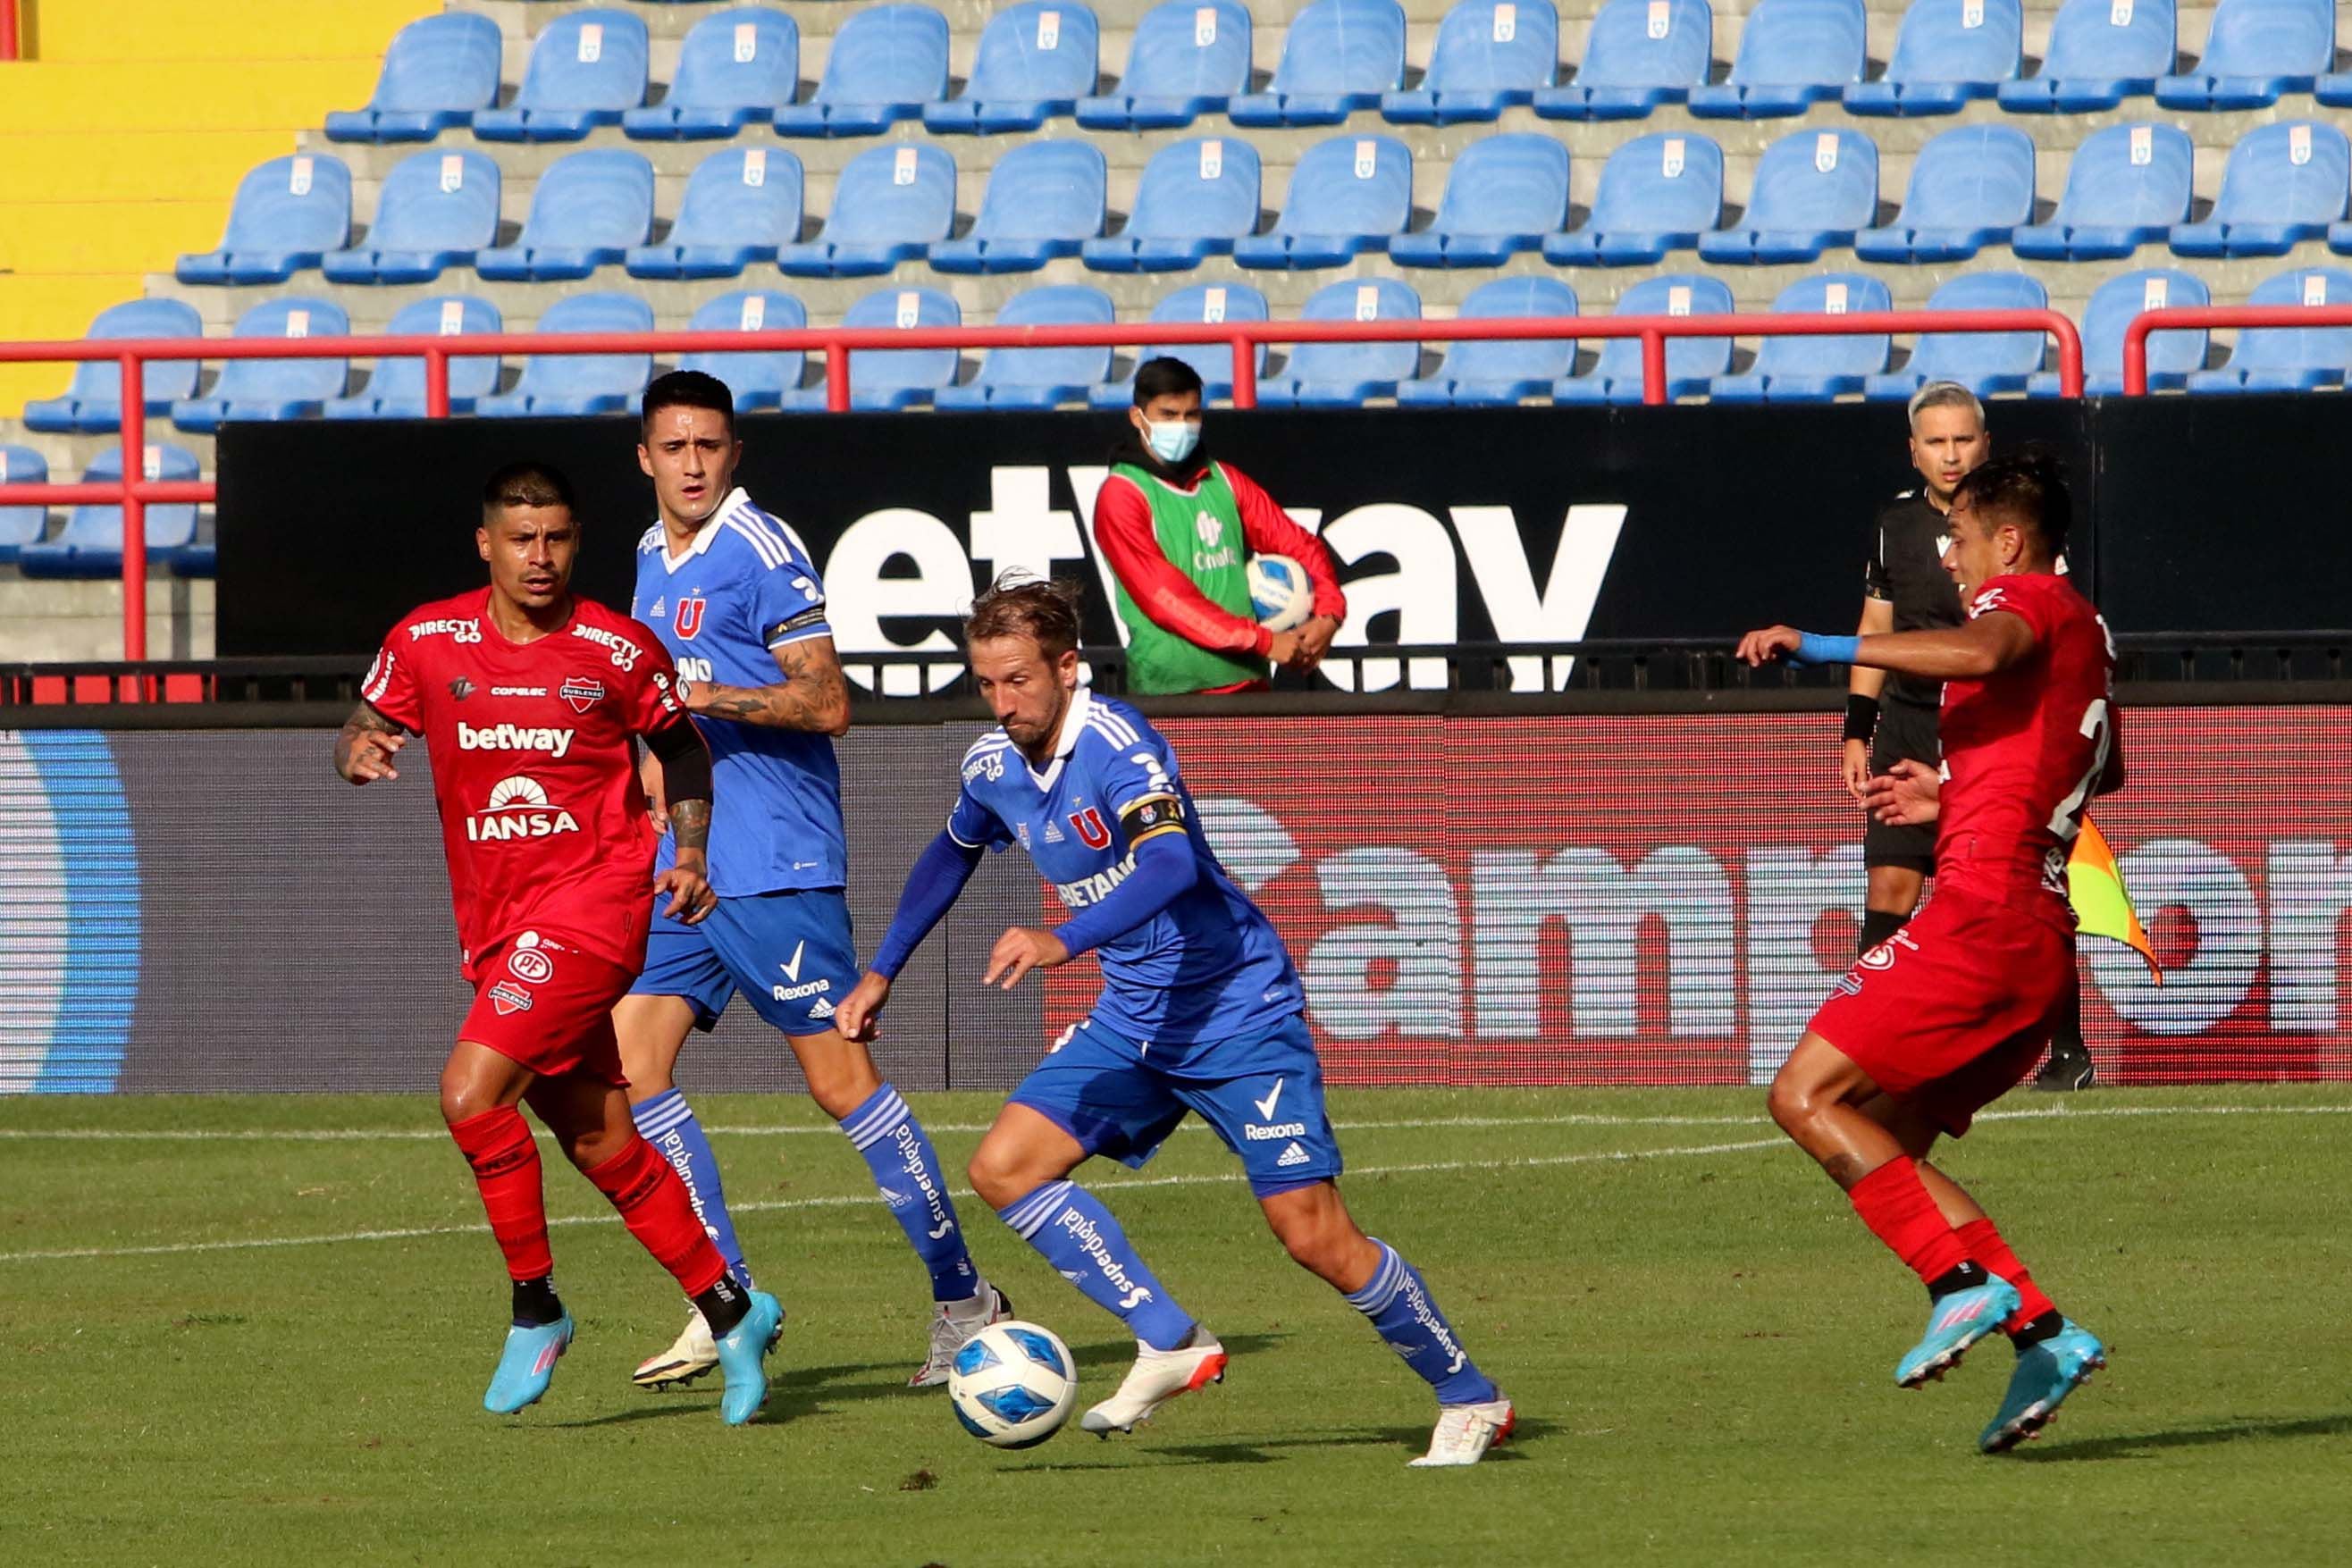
80	621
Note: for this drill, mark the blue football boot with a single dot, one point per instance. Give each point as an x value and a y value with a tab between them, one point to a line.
1954	1322
743	1357
2047	1373
527	1365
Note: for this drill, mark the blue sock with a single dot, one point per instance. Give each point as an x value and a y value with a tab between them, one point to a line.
666	1121
907	1172
1077	1236
1406	1316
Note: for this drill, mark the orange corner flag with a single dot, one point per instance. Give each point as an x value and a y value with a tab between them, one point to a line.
2102	906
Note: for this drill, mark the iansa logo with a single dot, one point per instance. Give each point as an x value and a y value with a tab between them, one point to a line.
518	808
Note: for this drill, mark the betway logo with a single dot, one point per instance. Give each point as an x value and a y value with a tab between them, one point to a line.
512	737
1022	527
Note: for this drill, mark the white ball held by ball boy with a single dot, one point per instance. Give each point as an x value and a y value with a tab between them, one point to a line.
1281	593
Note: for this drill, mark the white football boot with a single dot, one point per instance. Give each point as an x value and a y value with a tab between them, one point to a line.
1465	1433
695	1355
1157	1376
952	1327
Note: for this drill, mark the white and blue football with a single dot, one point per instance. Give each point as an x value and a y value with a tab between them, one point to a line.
1014	1384
1281	593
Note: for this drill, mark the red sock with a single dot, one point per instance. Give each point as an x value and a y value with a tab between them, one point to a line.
1893	1202
1986	1247
497	1144
655	1206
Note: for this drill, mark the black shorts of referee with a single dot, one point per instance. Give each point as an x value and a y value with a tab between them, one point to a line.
1906	730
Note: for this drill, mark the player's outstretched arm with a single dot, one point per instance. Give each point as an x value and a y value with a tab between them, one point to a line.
365	746
934	883
1981	647
812	695
1165	870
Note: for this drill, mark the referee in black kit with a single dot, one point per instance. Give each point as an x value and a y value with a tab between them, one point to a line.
1889	718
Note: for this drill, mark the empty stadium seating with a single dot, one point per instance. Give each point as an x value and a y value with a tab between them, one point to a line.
1813	189
882	378
1196	198
438	72
2100	53
2128	185
1504	194
890	202
90	544
1812	367
758	380
1639	54
1206	304
1969	188
21	524
1947	52
1340	56
1615	376
396	388
735	67
273	389
435	210
1984	362
2172	355
1489	54
589	210
2284	184
1343	375
1186	61
1793	53
580	383
93	403
1038	378
1035	62
587	68
1043	199
1500	371
2287	359
741	205
2254	51
1348	195
887	62
1658	192
287	215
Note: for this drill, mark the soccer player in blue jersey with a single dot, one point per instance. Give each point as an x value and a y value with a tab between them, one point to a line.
730	591
1200	1012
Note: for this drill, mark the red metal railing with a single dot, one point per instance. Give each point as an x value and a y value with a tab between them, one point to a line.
135	492
2173	318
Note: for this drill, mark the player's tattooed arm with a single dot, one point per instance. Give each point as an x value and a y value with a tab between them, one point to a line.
690	821
365	745
812	695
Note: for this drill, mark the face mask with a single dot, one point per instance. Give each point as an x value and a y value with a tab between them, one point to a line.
1174	441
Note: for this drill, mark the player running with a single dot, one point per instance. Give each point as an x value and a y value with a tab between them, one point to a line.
730	591
528	698
1951	1011
1199	1012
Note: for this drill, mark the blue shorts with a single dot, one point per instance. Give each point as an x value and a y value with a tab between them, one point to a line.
1263	1093
789	953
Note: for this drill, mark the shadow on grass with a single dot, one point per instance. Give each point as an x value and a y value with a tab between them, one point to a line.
1408	1441
2182	1437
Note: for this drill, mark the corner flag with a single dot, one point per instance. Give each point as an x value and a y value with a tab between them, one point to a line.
2103	907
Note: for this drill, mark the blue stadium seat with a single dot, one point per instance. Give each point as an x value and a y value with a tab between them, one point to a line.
1339	56
885	64
2128	185
439	71
1615	377
885	378
21	524
890	203
1813	189
1639	54
1188	59
1199	302
1658	192
1504	194
2287	359
587	68
1035	62
742	204
737	66
1195	199
2172	355
92	404
2284	184
1489	54
1969	188
1343	375
2100	53
761	379
273	389
1947	52
1490	371
288	214
1793	53
396	390
2255	50
90	544
435	210
1792	368
1043	199
1039	378
554	385
1984	362
1348	195
589	210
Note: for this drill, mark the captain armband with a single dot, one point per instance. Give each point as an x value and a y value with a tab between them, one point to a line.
1151	815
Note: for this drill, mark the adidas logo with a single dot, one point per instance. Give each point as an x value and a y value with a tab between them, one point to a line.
1074	1276
821	1009
895	1198
1292	1155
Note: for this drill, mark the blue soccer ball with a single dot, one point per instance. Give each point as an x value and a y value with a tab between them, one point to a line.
1281	594
1014	1384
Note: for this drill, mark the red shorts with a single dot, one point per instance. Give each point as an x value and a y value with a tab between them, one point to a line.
1953	1009
549	1006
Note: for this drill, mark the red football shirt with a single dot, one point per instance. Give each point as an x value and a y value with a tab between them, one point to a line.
542	813
2024	749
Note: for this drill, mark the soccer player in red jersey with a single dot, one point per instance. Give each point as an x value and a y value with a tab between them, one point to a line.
529	698
1950	1012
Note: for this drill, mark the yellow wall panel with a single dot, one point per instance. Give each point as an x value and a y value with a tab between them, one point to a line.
86	30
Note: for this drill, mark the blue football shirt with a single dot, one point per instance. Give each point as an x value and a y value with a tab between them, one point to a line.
745	587
1210	967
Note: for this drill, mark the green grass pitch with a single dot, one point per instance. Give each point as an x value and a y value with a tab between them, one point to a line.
1699	1336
